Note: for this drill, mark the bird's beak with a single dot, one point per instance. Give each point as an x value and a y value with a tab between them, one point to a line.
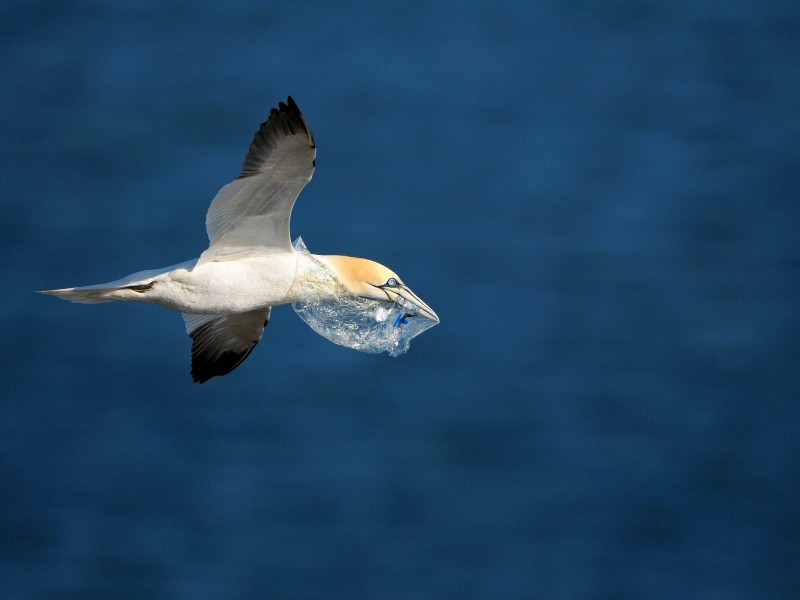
411	303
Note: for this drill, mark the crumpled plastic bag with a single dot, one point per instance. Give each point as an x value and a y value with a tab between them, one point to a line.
362	324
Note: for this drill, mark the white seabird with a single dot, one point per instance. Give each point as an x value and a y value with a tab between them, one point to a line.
226	294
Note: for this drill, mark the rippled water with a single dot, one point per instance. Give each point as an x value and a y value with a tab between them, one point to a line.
600	201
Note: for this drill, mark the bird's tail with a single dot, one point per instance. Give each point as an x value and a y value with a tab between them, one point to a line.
132	288
93	294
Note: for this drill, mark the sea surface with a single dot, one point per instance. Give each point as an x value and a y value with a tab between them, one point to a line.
600	200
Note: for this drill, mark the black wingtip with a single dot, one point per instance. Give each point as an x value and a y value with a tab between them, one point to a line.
222	343
204	368
294	112
208	360
285	120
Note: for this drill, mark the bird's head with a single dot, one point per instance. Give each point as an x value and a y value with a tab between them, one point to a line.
369	279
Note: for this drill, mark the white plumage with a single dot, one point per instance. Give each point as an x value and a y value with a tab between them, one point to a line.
226	294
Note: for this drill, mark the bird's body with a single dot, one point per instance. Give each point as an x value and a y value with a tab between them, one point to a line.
212	288
226	295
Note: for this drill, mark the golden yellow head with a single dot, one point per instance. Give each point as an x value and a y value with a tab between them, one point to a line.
369	279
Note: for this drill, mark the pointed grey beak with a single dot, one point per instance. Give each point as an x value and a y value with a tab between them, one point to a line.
411	302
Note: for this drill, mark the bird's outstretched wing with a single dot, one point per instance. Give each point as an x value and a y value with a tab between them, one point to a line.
252	212
220	343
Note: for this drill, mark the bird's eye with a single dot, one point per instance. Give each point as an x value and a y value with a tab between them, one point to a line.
392	282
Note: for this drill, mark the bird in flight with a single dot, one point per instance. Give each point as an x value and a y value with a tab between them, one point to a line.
226	295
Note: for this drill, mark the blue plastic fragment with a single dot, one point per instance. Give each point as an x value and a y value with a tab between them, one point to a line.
401	319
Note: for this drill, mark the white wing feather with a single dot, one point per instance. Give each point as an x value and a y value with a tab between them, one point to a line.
254	210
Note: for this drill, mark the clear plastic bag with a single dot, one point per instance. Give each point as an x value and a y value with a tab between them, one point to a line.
362	324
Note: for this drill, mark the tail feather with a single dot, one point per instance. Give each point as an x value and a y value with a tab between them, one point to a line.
132	287
87	295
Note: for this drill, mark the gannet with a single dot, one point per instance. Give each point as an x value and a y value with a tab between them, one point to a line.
226	295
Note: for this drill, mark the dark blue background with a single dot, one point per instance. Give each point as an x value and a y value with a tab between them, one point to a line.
600	200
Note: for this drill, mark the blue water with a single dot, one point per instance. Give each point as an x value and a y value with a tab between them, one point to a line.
600	200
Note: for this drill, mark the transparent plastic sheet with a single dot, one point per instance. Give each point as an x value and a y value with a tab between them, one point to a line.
363	324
